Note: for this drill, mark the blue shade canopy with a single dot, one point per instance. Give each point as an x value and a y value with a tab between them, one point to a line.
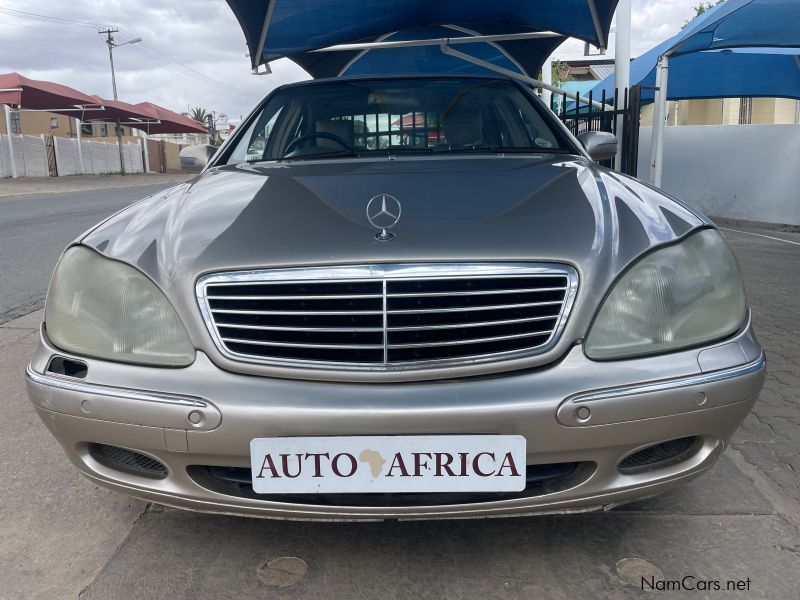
762	60
291	28
740	24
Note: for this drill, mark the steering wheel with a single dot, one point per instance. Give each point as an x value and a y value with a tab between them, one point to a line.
311	136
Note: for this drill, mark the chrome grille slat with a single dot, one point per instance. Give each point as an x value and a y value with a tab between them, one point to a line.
298	345
478	292
317	329
229	311
388	316
306	297
464	341
474	324
407	311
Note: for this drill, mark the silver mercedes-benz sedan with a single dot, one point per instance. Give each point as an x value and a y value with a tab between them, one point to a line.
398	298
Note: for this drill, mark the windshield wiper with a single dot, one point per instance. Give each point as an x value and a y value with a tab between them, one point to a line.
506	150
320	155
409	150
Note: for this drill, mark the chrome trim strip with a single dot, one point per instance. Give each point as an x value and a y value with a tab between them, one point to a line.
386	273
385	325
111	392
671	384
379	271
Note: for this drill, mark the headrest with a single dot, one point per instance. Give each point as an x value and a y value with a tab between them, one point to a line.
463	125
340	128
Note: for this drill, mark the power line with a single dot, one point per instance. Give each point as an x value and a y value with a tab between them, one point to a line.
47	18
188	71
184	70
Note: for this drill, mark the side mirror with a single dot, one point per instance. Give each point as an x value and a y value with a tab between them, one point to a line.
599	145
194	159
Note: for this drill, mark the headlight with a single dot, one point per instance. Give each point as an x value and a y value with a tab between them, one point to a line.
106	309
680	296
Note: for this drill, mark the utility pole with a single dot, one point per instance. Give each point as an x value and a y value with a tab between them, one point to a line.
109	33
212	128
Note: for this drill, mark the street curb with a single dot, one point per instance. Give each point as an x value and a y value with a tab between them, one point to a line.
784	506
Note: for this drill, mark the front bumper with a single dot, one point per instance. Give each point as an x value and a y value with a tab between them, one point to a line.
203	416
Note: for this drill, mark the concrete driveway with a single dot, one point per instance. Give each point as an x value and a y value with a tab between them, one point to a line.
64	537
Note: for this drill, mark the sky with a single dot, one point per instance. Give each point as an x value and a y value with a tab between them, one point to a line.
193	52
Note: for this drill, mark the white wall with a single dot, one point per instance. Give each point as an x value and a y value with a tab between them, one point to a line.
749	172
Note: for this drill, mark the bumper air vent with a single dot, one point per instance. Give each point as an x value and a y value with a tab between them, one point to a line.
127	461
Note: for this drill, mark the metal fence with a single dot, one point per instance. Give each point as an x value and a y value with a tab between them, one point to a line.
30	156
42	156
581	116
89	157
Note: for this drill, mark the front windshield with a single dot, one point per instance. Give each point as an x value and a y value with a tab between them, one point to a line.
372	117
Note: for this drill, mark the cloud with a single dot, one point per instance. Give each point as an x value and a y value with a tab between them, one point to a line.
193	53
652	21
204	46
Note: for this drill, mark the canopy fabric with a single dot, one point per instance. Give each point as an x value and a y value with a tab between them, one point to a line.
113	110
33	94
742	23
740	73
170	122
771	69
523	56
291	28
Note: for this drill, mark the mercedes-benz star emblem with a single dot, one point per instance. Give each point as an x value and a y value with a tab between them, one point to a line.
383	212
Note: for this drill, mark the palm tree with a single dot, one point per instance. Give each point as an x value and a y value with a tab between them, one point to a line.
200	115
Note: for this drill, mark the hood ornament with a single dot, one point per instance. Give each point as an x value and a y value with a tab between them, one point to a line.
383	212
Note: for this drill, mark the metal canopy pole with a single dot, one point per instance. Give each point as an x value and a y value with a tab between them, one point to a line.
659	121
143	135
514	75
547	79
471	39
445	46
596	20
7	111
79	124
622	70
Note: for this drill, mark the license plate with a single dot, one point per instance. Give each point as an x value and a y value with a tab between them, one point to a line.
386	464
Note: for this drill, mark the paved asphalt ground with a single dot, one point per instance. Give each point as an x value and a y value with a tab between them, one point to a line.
62	537
35	229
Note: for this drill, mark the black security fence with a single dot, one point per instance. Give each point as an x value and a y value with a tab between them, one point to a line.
582	115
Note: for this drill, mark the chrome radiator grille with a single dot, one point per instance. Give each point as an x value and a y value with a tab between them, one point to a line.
387	316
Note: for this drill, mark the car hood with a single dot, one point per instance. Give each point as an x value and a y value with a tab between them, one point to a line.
535	208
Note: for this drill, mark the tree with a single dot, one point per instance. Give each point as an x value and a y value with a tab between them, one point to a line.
701	8
560	71
200	115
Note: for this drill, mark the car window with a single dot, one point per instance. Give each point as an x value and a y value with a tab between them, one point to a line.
426	115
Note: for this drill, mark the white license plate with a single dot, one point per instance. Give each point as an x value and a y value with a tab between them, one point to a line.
383	464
